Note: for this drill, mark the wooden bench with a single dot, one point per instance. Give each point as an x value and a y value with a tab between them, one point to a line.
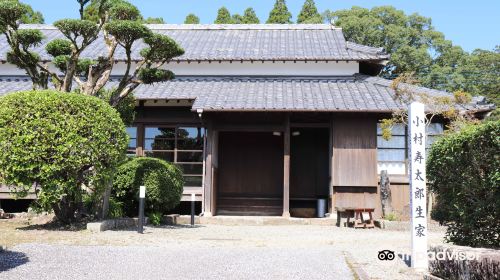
357	213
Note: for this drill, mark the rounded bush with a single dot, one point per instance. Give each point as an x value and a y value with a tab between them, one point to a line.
464	171
164	184
60	142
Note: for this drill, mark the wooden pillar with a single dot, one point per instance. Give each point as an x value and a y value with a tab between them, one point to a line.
332	171
207	183
139	150
286	169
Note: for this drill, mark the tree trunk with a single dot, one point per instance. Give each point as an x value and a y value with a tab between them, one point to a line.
105	200
66	209
70	72
385	193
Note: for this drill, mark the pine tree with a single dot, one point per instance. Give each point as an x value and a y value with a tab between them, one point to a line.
309	13
249	17
237	19
280	13
223	16
192	19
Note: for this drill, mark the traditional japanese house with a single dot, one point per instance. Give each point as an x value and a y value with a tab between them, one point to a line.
265	119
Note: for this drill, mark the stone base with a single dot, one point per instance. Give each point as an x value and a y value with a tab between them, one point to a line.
121	223
247	220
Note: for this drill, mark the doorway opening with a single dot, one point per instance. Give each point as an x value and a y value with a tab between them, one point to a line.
309	170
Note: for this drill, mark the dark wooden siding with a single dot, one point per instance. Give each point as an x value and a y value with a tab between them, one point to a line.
354	160
355	151
309	163
250	173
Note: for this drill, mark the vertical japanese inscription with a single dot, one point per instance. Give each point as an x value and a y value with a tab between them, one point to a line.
418	196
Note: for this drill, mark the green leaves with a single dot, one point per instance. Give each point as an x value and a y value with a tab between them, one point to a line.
161	48
116	9
127	32
29	37
309	13
82	66
164	184
192	19
59	47
10	13
280	13
60	141
464	171
23	59
223	16
153	75
74	29
250	17
123	10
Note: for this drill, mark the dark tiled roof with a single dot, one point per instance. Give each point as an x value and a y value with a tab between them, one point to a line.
329	94
236	42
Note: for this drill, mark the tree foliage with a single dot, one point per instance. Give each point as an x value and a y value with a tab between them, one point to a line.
467	184
408	38
58	142
236	19
444	106
154	20
415	46
122	26
250	17
280	13
30	16
223	16
309	13
192	19
164	184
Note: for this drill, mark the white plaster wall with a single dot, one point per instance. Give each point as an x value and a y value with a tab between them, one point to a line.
246	68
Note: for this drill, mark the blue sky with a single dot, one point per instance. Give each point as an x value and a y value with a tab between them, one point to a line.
470	24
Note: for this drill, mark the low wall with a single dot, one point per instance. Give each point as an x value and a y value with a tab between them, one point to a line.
122	223
468	263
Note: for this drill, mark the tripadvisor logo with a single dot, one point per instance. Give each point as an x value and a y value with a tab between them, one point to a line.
386	255
457	255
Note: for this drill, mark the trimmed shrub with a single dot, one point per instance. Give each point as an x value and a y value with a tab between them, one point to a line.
164	185
155	218
464	171
59	142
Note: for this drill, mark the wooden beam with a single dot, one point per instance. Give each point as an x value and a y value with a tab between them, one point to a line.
286	169
331	189
249	127
207	183
313	125
140	140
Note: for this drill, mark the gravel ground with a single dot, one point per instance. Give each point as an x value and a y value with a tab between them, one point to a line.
241	252
34	261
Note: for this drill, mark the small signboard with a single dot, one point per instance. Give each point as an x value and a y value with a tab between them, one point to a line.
142	191
418	192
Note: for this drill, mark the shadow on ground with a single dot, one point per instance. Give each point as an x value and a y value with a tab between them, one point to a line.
160	227
11	259
56	226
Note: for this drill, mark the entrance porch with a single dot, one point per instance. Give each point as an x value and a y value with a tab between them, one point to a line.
274	164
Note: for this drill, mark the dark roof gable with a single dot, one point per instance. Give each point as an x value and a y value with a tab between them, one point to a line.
254	42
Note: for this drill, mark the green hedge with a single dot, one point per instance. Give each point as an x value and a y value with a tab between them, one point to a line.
464	171
164	185
60	141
